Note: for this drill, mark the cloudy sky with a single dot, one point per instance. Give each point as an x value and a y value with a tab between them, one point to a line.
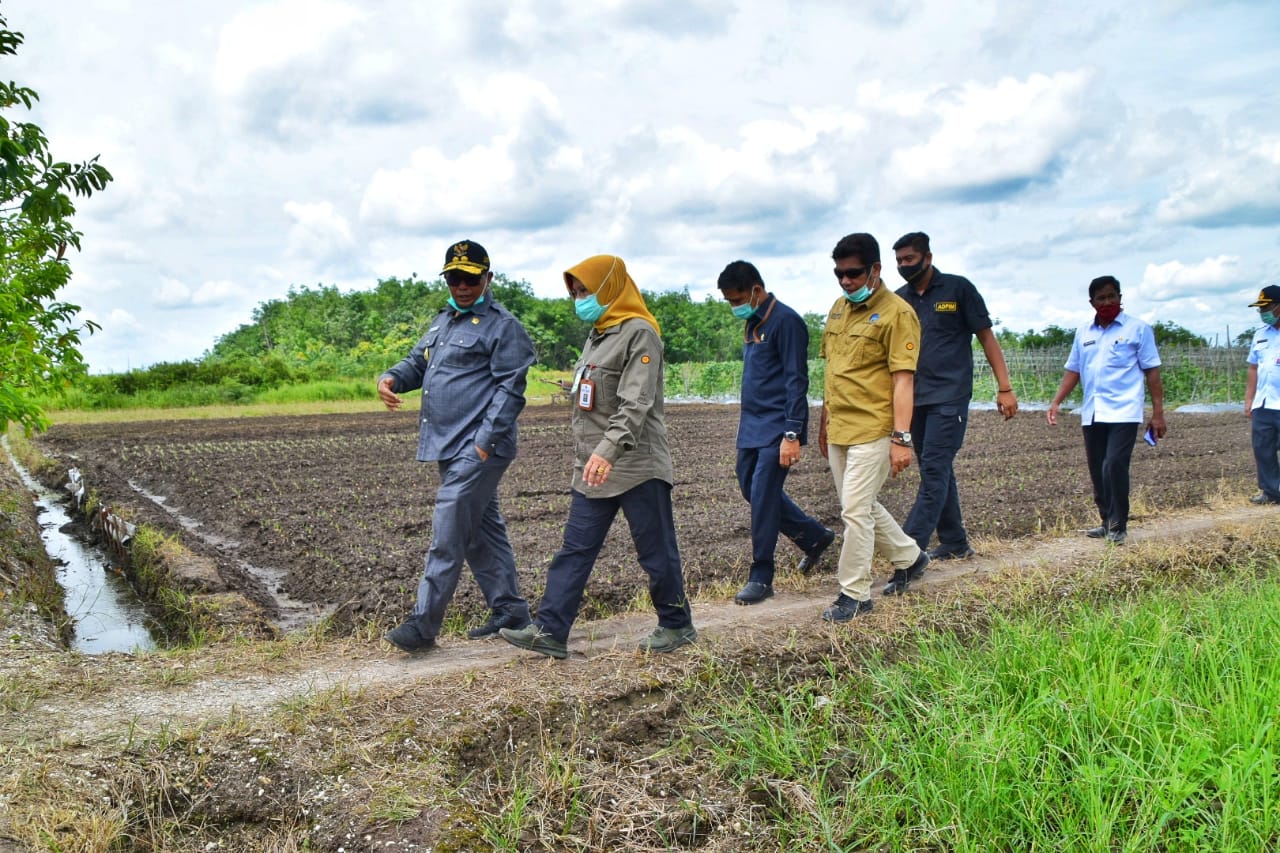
261	145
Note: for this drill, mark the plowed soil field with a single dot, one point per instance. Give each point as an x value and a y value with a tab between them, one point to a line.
335	507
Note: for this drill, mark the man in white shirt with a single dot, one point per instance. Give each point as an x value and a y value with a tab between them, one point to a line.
1262	395
1110	358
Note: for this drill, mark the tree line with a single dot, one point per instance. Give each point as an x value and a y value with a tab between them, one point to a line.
321	333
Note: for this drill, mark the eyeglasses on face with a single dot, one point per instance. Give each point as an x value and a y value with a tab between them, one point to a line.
851	273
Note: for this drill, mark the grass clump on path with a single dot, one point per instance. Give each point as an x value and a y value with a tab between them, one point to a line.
1138	724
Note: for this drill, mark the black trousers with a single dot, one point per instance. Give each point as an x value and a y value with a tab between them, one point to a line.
1109	448
648	511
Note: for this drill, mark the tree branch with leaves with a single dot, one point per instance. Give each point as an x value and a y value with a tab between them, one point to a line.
39	334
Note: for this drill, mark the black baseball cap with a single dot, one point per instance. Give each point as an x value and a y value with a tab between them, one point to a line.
468	256
1269	295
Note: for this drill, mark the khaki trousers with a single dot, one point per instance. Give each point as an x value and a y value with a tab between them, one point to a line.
859	471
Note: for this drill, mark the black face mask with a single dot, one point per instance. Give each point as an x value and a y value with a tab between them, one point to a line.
910	271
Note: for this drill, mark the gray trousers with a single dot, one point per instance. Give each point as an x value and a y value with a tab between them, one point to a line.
467	525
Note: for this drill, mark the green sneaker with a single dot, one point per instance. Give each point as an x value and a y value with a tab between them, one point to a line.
668	639
533	638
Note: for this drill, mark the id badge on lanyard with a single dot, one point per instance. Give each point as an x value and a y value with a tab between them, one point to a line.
584	389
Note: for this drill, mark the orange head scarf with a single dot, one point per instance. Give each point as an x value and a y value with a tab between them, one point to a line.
606	277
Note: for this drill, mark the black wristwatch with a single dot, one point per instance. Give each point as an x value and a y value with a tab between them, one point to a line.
790	436
902	439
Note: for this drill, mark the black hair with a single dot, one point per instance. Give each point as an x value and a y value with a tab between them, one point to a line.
739	275
917	240
1101	282
861	246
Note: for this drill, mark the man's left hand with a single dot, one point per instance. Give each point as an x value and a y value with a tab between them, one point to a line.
788	453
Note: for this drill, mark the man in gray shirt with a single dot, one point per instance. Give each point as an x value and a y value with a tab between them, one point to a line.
471	366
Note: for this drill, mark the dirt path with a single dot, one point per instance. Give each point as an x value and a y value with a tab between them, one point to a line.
374	664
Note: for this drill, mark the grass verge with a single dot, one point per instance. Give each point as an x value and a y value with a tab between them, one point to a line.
1139	723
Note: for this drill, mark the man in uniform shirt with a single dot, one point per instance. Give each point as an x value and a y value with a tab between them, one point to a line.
870	342
471	366
1109	359
951	312
1262	395
773	425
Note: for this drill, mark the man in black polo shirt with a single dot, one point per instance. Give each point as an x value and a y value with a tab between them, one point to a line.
951	312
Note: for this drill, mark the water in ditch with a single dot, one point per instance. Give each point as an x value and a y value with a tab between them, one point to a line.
107	614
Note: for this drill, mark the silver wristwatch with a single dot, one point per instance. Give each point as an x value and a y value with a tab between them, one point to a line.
790	436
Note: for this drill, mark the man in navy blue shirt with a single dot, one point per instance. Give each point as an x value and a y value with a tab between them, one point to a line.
471	366
951	313
773	425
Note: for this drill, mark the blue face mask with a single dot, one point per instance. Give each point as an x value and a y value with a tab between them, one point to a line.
745	310
860	295
1268	317
454	305
588	308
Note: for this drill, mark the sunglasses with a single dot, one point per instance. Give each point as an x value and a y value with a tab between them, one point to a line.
851	273
457	279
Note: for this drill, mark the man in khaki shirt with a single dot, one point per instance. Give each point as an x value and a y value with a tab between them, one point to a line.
871	344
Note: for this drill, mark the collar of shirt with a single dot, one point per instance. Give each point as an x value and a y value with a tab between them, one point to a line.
751	331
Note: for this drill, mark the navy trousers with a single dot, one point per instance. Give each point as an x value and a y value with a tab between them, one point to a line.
467	525
647	508
938	433
761	479
1266	450
1109	448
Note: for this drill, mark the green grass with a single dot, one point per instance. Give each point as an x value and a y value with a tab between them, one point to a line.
1145	725
334	396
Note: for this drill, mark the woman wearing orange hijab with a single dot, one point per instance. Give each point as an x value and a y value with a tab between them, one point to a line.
621	461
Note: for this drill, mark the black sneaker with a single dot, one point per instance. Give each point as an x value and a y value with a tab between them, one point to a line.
497	621
897	584
902	578
1261	498
940	553
810	560
1116	537
845	609
1096	532
753	592
407	638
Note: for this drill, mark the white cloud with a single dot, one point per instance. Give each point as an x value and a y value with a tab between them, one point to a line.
218	293
172	294
1174	279
992	140
271	36
1238	186
319	232
1105	219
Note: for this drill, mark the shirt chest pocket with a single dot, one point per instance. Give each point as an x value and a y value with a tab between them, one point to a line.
1122	353
856	346
461	348
607	379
